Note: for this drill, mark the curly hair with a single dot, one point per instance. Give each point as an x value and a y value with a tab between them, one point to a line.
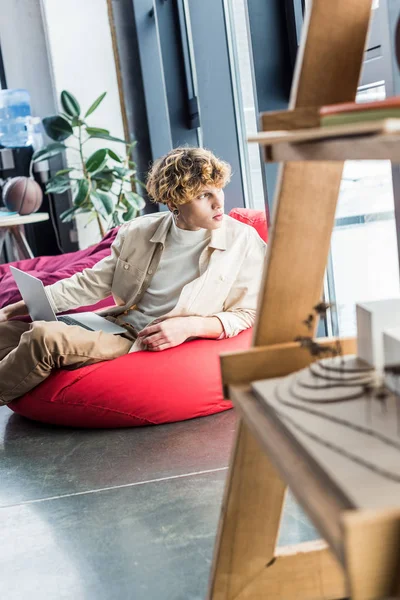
179	176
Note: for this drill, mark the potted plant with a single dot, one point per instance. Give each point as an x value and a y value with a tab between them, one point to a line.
103	184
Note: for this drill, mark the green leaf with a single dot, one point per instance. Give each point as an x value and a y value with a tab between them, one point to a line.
122	171
71	213
104	173
114	155
58	185
129	214
65	171
70	104
48	152
65	116
110	138
82	194
104	179
124	201
107	201
104	185
95	104
135	200
96	130
57	128
116	219
76	122
68	214
99	206
97	161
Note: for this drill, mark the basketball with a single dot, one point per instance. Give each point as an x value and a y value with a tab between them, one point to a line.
23	195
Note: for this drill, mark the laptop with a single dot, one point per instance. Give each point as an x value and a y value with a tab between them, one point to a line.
39	307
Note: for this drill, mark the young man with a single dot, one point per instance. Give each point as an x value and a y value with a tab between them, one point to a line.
190	272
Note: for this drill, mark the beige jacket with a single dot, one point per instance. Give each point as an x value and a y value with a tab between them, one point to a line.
230	274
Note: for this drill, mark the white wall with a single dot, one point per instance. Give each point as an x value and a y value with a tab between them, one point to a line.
51	45
23	46
80	50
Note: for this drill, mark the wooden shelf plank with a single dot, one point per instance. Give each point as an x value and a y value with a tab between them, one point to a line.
243	367
377	140
303	572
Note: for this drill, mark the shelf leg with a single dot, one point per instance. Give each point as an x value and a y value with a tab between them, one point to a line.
21	242
249	523
246	564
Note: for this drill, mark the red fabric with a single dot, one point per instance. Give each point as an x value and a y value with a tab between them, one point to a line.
141	388
53	268
255	218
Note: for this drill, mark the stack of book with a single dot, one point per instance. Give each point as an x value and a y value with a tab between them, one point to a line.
347	113
352	112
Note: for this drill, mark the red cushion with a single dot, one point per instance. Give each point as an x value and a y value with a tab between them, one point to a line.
143	388
255	218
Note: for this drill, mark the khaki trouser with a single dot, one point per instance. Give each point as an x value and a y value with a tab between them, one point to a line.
30	351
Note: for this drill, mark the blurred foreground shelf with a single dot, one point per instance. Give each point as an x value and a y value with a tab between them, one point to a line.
361	556
375	140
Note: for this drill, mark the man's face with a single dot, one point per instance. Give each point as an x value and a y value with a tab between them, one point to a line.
205	211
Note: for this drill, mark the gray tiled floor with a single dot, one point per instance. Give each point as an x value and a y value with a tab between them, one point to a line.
115	514
38	461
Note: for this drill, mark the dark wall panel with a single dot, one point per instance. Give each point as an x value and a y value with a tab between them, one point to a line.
217	113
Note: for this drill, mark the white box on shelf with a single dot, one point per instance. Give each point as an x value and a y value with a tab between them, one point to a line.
391	353
391	346
372	319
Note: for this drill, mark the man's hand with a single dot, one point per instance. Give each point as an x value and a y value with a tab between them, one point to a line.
166	333
18	309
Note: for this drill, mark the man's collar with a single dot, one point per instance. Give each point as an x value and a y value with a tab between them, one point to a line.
161	232
218	236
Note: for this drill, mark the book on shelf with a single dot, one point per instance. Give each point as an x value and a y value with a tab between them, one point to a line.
353	112
346	113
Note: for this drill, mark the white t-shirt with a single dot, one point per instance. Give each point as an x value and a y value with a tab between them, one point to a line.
179	265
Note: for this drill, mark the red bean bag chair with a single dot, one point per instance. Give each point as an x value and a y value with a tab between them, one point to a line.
142	388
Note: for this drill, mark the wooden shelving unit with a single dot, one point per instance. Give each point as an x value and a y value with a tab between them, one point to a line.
360	557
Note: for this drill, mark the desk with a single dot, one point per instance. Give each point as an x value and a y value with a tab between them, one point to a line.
12	226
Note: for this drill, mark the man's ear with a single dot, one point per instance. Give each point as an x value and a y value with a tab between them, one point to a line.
170	206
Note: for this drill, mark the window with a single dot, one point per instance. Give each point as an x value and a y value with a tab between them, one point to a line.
363	263
364	260
364	255
246	104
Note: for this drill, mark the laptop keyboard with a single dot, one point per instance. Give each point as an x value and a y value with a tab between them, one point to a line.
70	321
